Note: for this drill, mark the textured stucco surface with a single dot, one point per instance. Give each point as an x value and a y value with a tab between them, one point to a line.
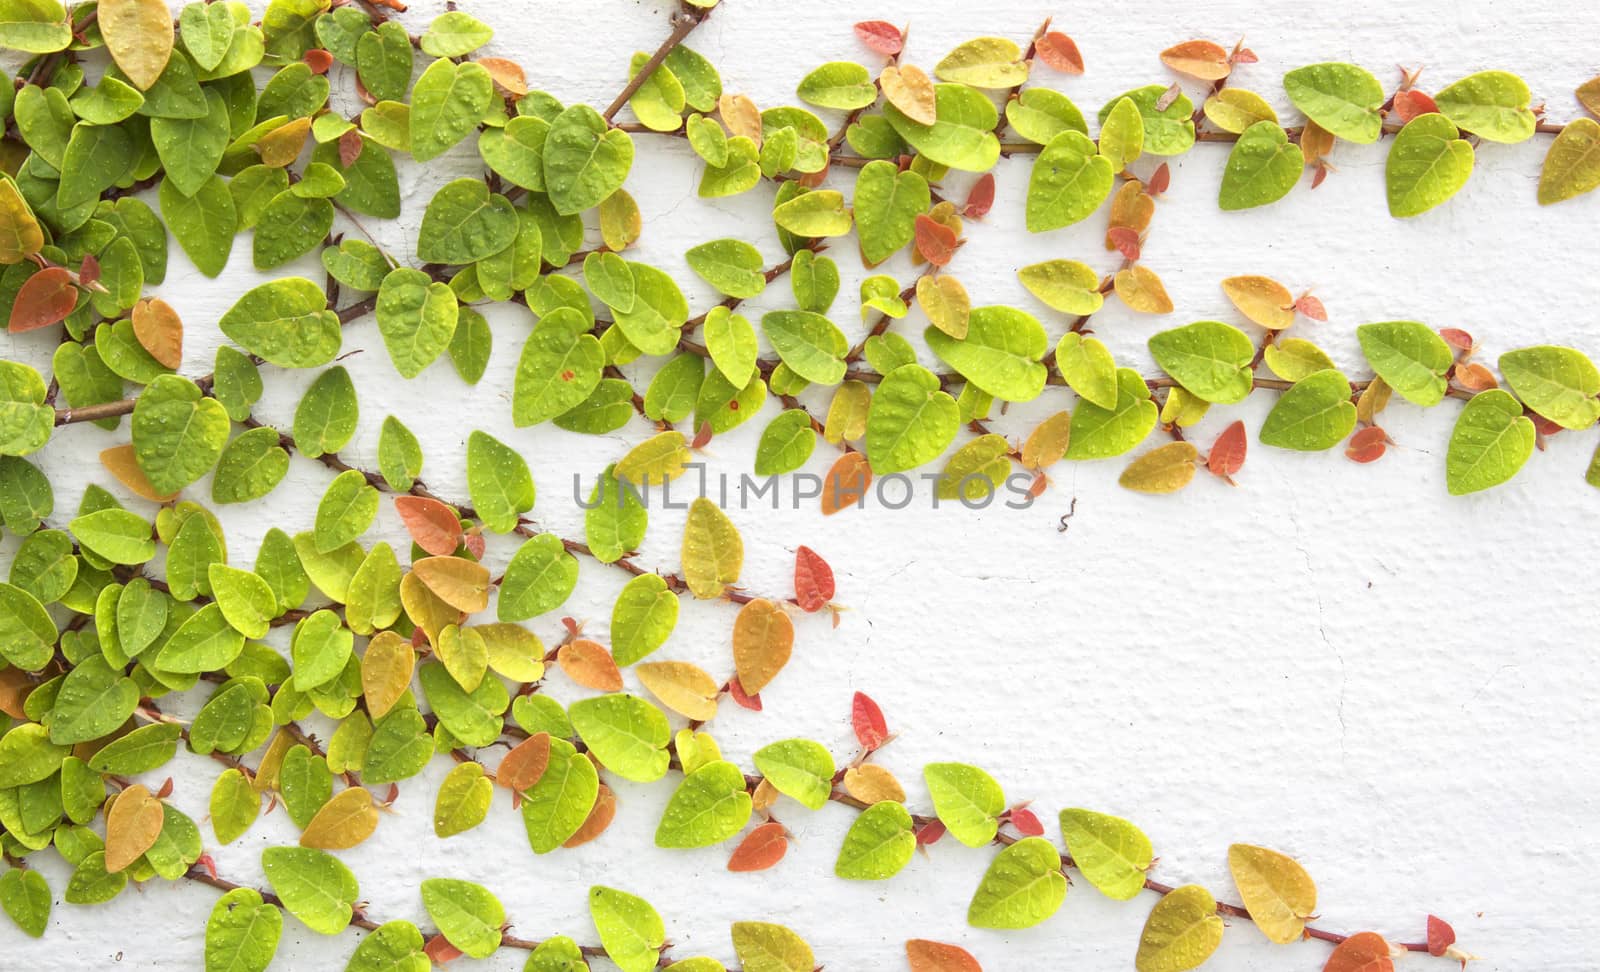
1335	660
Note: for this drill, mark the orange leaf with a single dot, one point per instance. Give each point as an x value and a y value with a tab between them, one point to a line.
846	483
1457	338
122	463
909	89
763	637
935	241
1440	936
432	524
507	74
1198	59
813	580
926	956
881	36
440	951
1227	453
1315	142
1142	290
589	664
1059	52
1475	377
1131	207
871	783
1410	103
350	145
762	848
159	331
318	60
600	816
458	582
981	199
1361	952
1311	307
525	764
1160	179
1368	445
132	826
45	298
741	116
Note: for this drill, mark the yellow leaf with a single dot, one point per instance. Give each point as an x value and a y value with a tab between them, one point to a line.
1142	291
463	584
763	637
911	91
764	796
1201	59
465	655
713	554
847	413
656	460
132	826
1374	399
514	651
619	221
946	303
1181	933
266	777
386	672
138	33
121	463
1048	442
282	145
343	822
20	235
1262	299
507	74
684	688
1165	469
1277	891
741	116
159	330
871	783
695	749
1183	408
424	607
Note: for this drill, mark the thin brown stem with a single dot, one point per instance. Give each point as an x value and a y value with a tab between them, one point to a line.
683	23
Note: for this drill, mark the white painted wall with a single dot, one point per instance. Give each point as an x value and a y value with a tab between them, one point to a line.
1335	660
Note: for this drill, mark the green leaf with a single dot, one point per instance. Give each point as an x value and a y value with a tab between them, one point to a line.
1261	169
115	535
659	101
34	26
879	844
584	159
1069	181
285	321
1490	104
1558	383
1295	358
1409	357
630	930
559	366
252	465
786	443
1088	369
556	806
1209	359
1314	414
314	886
1122	134
465	222
627	734
1167	131
399	455
178	433
708	807
798	768
539	578
1428	164
962	137
242	933
967	800
738	174
1040	114
84	380
473	718
1065	285
911	420
446	105
498	481
192	148
1111	853
731	342
1000	353
463	802
396	946
1342	98
1181	933
235	804
808	343
384	61
347	509
27	635
1022	887
93	700
733	267
887	204
204	224
27	755
203	643
90	884
417	317
671	394
642	619
818	213
844	85
765	947
26	899
140	751
468	915
560	954
516	152
96	157
1572	166
290	227
238	382
1492	439
207	31
327	415
25	420
615	520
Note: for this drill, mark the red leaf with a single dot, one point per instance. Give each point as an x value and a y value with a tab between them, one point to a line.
1159	180
1060	52
762	848
205	863
737	693
1544	426
1026	822
702	436
1244	55
981	199
1125	239
432	524
1319	173
881	36
867	719
1454	336
475	545
573	627
930	832
1037	487
1311	307
927	956
350	146
166	789
1411	103
1361	952
1440	936
318	60
45	298
935	241
813	580
89	272
1368	445
441	951
1228	452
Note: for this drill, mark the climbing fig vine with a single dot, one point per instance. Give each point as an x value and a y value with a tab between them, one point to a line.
129	632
